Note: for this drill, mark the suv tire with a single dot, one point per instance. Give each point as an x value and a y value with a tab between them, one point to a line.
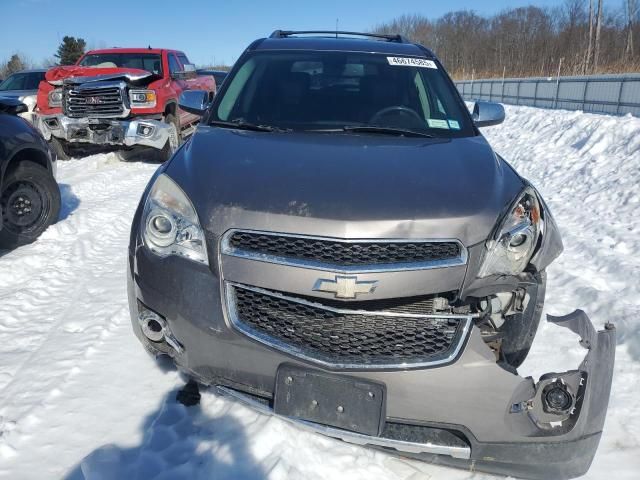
169	149
30	202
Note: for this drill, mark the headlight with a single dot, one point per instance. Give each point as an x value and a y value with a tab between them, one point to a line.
142	98
55	97
170	225
510	249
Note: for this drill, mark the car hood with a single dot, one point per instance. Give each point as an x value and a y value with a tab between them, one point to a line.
345	185
77	74
17	93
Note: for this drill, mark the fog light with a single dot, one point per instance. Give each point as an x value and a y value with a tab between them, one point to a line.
145	130
152	325
156	329
557	398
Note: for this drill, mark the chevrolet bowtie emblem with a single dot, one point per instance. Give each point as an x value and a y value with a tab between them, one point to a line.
345	286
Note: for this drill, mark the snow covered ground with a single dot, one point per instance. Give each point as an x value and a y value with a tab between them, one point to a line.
79	399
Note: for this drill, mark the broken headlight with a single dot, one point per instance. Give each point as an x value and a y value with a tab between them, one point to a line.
170	224
508	252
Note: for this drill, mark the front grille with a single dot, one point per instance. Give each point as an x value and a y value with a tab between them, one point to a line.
344	253
93	102
345	337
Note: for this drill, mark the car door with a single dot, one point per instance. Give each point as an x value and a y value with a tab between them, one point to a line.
185	81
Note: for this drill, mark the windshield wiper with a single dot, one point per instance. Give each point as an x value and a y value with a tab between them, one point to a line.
247	126
385	131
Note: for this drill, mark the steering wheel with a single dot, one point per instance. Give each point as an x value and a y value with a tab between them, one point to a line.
406	111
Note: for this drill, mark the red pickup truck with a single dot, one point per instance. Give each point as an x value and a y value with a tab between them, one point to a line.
119	99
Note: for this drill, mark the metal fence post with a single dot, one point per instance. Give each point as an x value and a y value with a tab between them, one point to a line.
555	100
584	94
518	92
473	74
622	80
535	93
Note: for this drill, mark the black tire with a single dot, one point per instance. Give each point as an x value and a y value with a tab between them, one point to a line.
169	149
135	154
30	202
59	149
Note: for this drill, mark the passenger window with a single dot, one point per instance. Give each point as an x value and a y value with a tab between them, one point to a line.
15	82
422	95
33	81
238	84
174	66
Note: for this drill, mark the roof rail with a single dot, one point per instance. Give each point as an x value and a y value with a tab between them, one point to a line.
289	33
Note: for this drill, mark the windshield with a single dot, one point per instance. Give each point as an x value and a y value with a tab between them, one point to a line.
151	62
334	90
22	81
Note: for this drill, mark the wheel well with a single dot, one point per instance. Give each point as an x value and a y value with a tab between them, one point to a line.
27	154
170	108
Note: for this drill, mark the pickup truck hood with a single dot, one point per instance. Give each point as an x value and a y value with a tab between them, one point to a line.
76	74
345	185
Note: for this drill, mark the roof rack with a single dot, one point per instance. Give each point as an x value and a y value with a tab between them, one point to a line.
289	33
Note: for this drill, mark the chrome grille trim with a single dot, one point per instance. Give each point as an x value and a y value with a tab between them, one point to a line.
112	101
227	249
299	353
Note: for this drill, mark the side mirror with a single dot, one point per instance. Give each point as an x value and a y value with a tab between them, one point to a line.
12	106
486	114
189	67
194	101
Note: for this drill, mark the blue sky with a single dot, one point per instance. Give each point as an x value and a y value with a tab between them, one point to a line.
208	31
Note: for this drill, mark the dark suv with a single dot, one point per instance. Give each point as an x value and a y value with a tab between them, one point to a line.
29	193
339	245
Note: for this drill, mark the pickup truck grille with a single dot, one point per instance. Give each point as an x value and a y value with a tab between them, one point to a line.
345	338
94	102
344	253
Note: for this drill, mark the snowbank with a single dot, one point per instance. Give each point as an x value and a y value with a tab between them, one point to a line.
80	399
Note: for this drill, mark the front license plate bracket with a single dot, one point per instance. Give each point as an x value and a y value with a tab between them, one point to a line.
340	401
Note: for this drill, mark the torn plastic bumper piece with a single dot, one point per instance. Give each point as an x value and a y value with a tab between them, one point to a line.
576	419
562	416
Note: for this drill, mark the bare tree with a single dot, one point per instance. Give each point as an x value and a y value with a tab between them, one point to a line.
529	40
588	57
632	11
596	50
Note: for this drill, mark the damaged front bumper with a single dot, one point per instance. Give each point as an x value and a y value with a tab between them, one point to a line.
470	413
557	442
147	132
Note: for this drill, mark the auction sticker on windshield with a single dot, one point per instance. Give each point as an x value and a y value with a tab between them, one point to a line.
412	62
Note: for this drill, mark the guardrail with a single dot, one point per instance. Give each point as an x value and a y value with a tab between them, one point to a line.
613	94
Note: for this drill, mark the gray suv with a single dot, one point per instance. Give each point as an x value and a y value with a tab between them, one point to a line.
339	245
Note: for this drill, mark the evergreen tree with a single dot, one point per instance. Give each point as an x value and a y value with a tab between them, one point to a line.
70	50
15	64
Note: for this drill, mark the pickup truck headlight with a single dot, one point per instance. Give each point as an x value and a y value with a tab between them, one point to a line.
142	98
55	97
170	224
510	249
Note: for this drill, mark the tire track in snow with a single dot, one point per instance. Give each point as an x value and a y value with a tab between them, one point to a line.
82	280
